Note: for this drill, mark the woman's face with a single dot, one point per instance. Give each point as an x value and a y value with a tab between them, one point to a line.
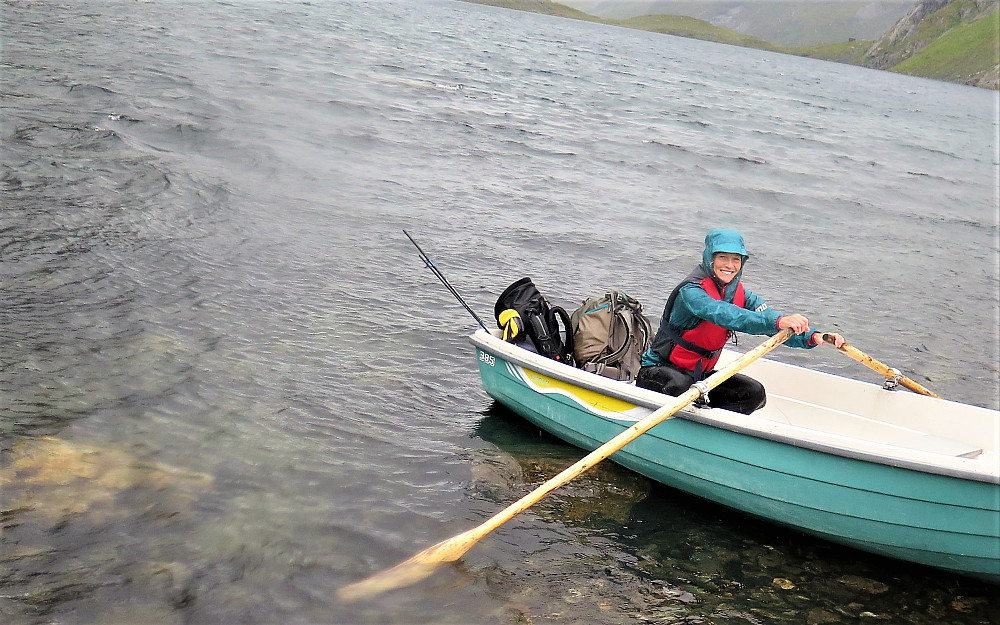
726	265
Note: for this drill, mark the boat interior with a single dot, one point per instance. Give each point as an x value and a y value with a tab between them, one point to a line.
842	412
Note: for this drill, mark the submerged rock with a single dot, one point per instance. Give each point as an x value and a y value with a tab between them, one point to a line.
59	479
95	528
863	584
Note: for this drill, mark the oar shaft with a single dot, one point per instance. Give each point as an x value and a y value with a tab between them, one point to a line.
881	368
629	434
423	564
588	461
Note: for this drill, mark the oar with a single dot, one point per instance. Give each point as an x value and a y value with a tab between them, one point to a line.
881	368
426	562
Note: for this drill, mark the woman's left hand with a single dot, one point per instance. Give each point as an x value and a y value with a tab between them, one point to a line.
836	339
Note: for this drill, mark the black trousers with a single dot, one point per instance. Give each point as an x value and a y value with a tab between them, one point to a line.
739	393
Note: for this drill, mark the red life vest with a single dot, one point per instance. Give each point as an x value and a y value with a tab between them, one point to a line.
706	335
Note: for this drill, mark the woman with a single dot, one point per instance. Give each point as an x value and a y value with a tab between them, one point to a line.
702	312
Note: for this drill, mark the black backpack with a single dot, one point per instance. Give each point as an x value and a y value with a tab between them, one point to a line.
538	319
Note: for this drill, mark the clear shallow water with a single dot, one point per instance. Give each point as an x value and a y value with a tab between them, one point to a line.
230	387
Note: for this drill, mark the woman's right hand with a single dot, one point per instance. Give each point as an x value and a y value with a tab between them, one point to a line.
798	323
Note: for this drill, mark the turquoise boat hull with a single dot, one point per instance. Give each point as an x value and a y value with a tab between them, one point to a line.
885	506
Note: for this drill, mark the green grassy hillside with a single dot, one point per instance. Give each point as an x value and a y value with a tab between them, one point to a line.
666	24
957	52
780	22
851	52
693	28
958	43
540	6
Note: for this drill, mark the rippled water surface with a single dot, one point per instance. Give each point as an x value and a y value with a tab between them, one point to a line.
229	387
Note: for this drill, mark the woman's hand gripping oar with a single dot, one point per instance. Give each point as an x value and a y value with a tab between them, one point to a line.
426	562
881	368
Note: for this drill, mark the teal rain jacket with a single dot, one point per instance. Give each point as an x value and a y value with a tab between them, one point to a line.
693	304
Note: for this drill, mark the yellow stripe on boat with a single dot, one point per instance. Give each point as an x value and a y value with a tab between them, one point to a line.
602	404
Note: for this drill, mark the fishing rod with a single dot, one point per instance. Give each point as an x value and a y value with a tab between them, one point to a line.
437	272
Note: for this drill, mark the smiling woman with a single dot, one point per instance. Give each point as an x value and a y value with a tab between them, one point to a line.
702	313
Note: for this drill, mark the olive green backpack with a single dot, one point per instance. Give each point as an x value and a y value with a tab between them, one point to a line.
610	333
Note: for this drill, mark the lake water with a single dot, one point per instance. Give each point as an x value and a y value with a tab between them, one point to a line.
228	386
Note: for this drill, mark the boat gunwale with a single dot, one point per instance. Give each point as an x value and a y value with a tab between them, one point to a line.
651	400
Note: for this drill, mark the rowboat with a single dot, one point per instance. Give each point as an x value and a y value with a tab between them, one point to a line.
893	473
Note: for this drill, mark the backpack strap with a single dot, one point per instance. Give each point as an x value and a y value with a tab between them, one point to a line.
626	320
627	312
672	333
568	326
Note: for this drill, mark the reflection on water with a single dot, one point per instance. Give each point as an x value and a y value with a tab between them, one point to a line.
683	557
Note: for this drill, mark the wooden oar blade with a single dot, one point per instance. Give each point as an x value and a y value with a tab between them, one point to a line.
399	576
412	570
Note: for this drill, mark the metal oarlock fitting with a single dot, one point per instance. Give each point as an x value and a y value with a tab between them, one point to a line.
893	382
704	389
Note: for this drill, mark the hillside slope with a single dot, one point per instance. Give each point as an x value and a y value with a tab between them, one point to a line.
951	40
678	25
540	6
954	40
781	22
968	50
683	26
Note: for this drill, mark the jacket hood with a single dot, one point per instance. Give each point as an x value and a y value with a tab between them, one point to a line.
720	240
